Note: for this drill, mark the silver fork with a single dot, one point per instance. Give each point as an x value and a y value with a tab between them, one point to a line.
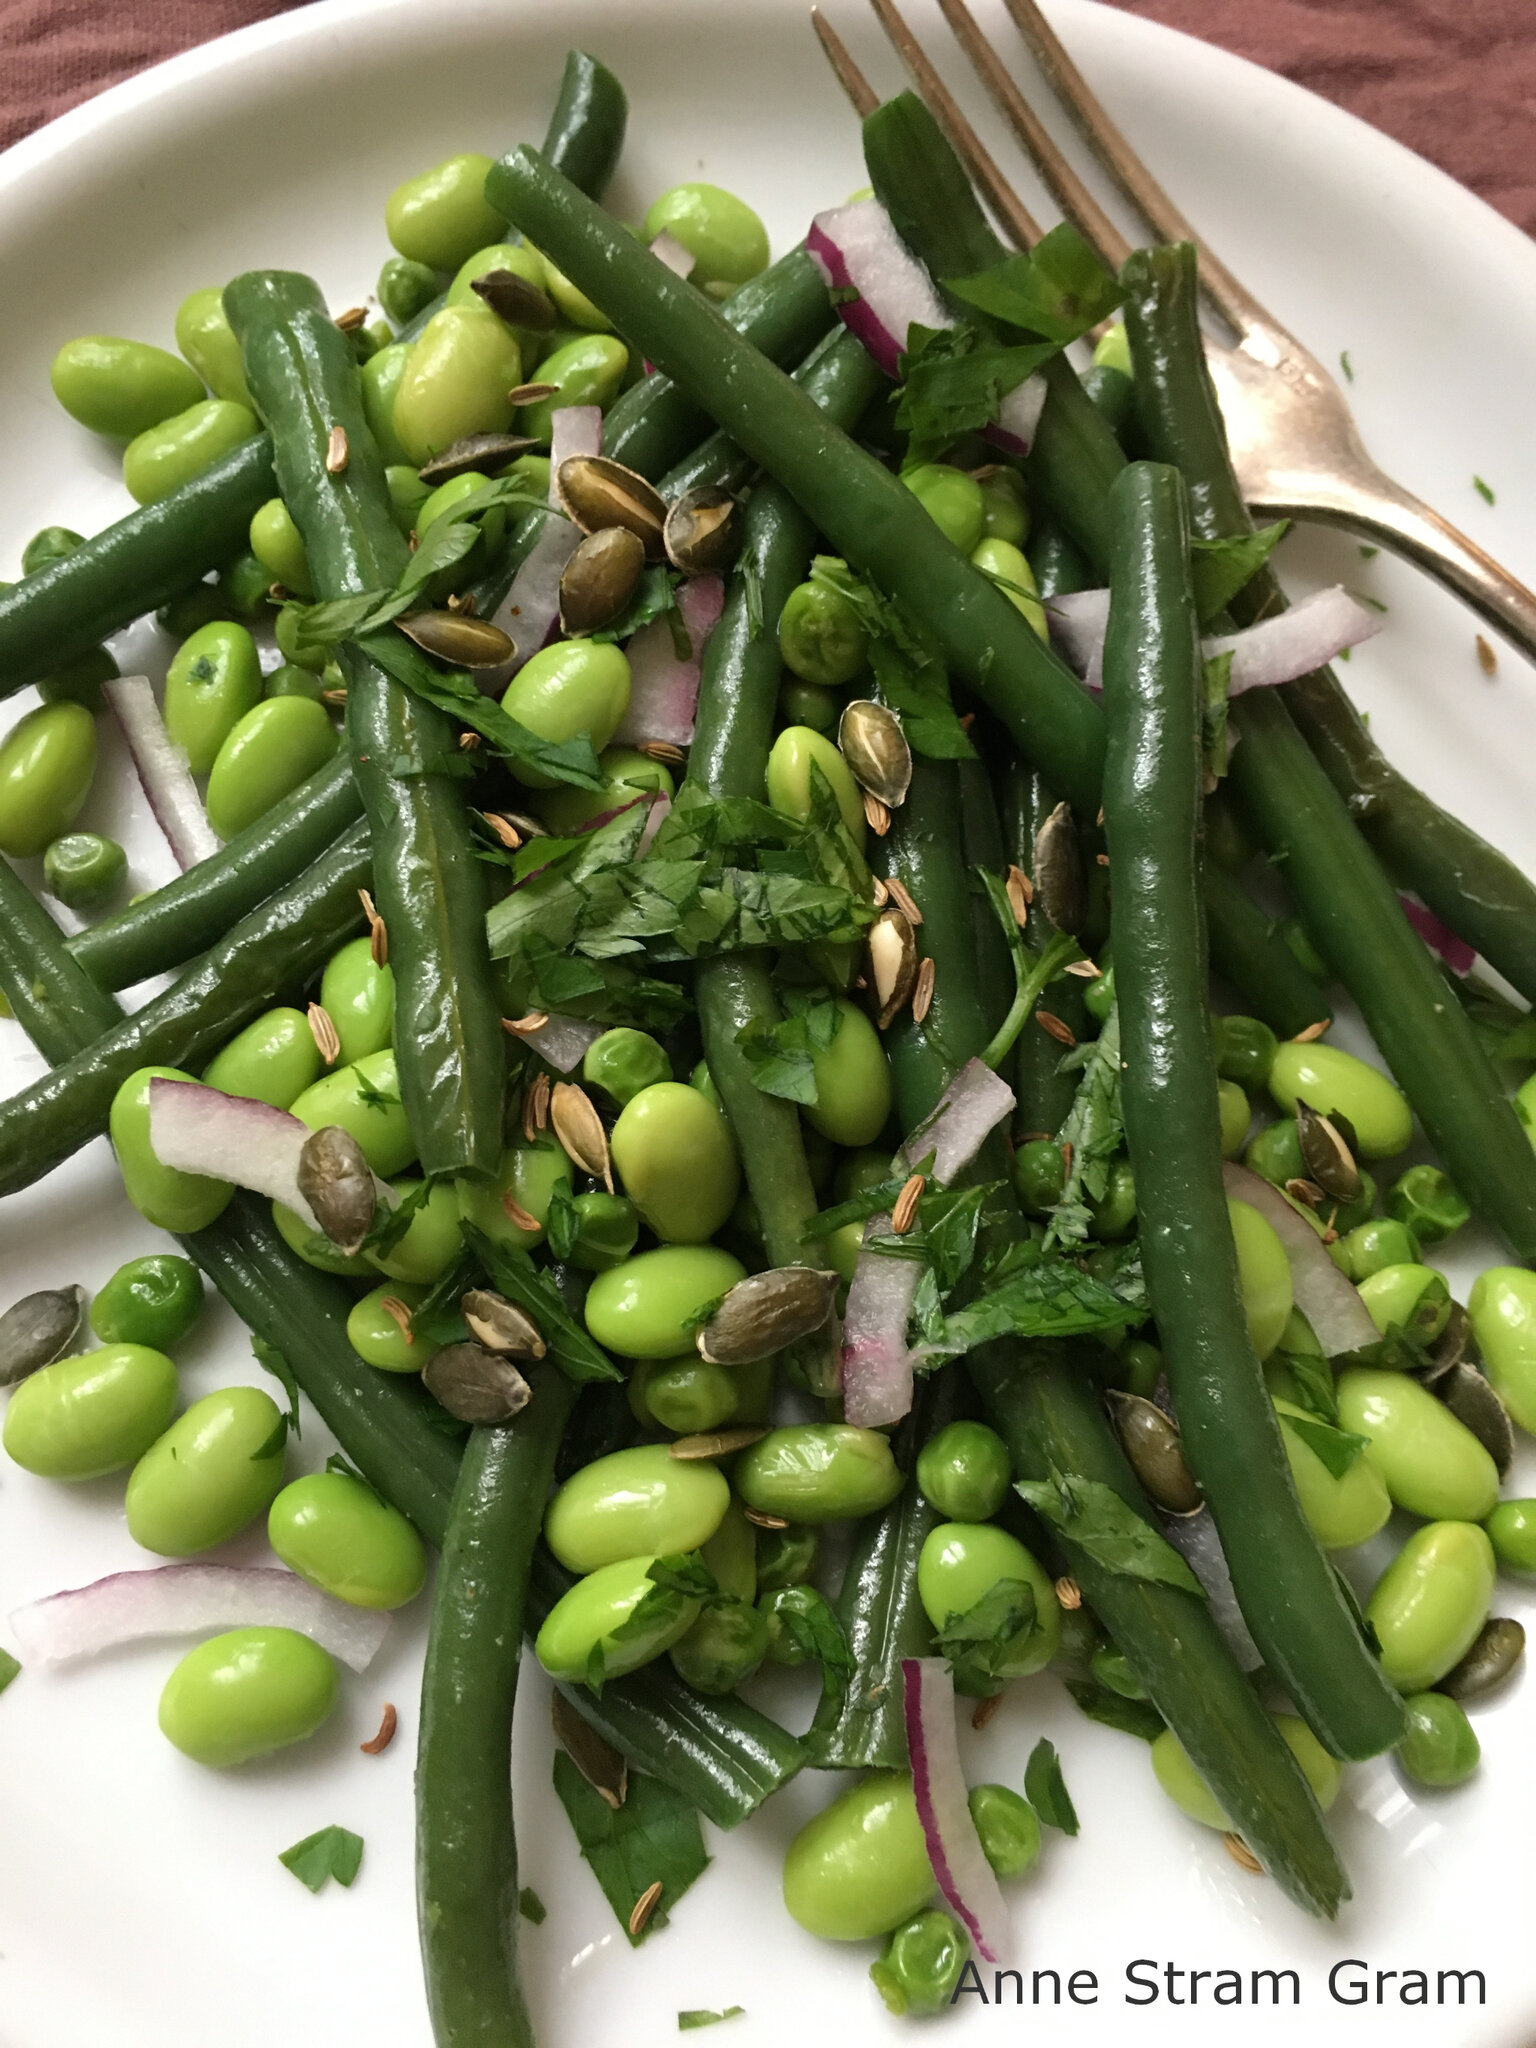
1297	451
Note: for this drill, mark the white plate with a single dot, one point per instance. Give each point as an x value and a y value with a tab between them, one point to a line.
141	1902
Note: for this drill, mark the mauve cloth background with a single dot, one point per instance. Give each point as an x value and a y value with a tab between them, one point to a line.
1454	79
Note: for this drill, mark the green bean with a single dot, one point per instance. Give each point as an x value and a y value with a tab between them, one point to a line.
586	128
1043	1092
54	999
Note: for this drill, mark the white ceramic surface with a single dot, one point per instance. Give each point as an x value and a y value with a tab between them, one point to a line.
141	1902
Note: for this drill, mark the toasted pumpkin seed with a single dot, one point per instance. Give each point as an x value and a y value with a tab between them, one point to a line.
600	578
1330	1161
337	1182
579	1131
870	739
38	1329
702	531
516	301
596	492
1061	887
451	636
487	452
1156	1452
500	1325
1499	1647
476	1385
593	1755
1474	1403
765	1312
892	964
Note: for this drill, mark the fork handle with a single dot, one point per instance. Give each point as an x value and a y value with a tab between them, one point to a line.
1404	524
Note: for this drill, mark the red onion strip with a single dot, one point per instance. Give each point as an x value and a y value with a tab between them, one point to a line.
573	430
231	1137
664	689
1331	1304
971	1107
1454	951
531	608
1310	634
965	1877
669	250
162	770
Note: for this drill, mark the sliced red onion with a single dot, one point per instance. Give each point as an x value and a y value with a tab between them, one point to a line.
1078	620
189	1599
878	1362
531	608
661	805
960	1864
1018	415
1277	650
573	430
663	689
563	1041
1331	1304
669	250
1195	1538
1454	951
231	1137
972	1106
162	770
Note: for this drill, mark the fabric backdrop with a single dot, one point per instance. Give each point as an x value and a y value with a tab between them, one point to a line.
1454	79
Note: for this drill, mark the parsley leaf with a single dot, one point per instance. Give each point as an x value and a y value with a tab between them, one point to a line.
390	1225
520	1280
687	2021
752	593
334	1852
954	382
1338	1448
986	1643
654	598
1059	290
1221	568
917	690
1314	1382
1094	1517
1094	1129
1216	677
1052	1297
653	1836
531	1906
562	1223
1046	1789
1102	1703
9	1669
782	1056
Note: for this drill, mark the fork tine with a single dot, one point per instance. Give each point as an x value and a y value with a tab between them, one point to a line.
858	88
1231	299
1020	225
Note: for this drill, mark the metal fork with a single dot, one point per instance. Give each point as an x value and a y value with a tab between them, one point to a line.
1297	451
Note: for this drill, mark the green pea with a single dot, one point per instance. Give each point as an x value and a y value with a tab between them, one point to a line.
1274	1153
215	1469
645	1308
279	546
723	1648
206	339
338	1534
243	585
530	1174
1336	1083
727	241
164	457
802	703
920	1967
1512	1532
786	1557
964	1471
573	687
377	1338
405	288
843	1247
120	387
275	747
1432	1464
633	1501
163	1195
1430	1602
380	378
214	681
1245	1050
1189	1792
822	640
48	545
624	1062
585	371
273	1060
84	1416
626	774
1236	1116
1372	1246
607	1227
818	1472
1009	1829
1412	1298
245	1693
1099	995
1112	1668
47	764
433	1238
80	681
1429	1203
1342	1511
364	1098
441	216
1502	1306
853	1081
1114	1212
1039	1175
1264	1275
84	870
153	1300
358	996
690	1395
952	500
1005	506
407	495
1007	566
1438	1747
461	368
586	1618
959	1565
1139	1367
789	778
315	1248
860	1867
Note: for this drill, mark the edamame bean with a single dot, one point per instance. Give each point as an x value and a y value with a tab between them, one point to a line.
727	241
627	774
163	1195
1341	1511
674	1152
1502	1306
632	1501
456	381
587	370
646	1307
120	387
380	379
1236	1116
269	753
215	1469
818	1472
279	546
1264	1275
1439	1746
1099	995
1008	567
575	686
1005	506
163	458
689	1395
364	1098
585	1619
1274	1153
213	682
433	1238
154	1300
1335	1083
376	1336
84	870
952	500
405	288
206	339
958	1567
789	778
358	996
964	1472
853	1081
245	1693
1429	1202
1371	1247
407	495
1411	1298
440	217
1512	1532
47	764
83	1416
822	640
1008	1826
529	1174
1432	1464
1430	1602
316	1249
623	1062
1190	1793
273	1060
338	1534
1245	1050
860	1867
921	1965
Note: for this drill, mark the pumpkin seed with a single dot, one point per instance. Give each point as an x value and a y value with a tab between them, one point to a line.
1061	887
1156	1451
579	1130
1454	1346
1473	1402
871	741
1330	1160
451	636
600	578
592	1754
702	533
595	491
892	964
38	1329
1499	1647
515	300
763	1313
475	1384
337	1182
488	452
715	1443
500	1325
